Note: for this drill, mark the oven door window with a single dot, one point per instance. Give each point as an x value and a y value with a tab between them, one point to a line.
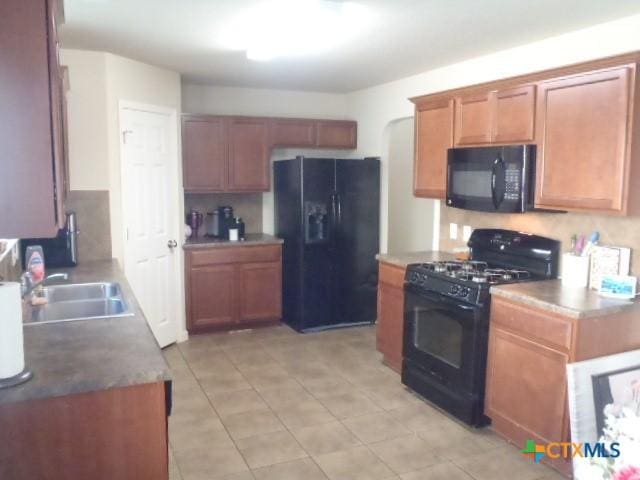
437	333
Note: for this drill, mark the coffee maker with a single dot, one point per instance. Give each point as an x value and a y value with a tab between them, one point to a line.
226	221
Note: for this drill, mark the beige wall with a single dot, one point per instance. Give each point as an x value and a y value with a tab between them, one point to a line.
374	108
87	114
411	219
262	102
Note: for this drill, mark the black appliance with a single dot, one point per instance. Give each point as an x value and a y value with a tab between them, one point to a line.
59	251
226	221
491	179
327	212
447	316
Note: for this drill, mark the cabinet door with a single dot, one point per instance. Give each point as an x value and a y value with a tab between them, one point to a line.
249	155
204	146
473	119
390	328
433	137
260	291
27	190
56	87
212	296
526	388
293	132
514	115
582	125
337	134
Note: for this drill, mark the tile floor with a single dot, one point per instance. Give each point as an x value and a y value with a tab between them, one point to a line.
271	404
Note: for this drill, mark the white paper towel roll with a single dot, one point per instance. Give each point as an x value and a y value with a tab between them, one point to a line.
11	340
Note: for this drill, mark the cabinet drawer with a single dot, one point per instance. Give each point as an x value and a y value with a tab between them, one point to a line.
532	324
391	275
261	253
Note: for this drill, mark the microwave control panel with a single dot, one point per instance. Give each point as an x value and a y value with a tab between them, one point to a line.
512	183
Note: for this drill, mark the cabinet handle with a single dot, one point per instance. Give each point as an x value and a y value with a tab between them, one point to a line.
172	244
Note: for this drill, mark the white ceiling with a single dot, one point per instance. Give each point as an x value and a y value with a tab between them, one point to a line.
403	37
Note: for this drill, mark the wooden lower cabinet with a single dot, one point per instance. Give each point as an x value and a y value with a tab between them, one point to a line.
529	349
390	327
233	287
259	301
119	433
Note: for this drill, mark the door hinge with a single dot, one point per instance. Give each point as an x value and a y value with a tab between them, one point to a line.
124	135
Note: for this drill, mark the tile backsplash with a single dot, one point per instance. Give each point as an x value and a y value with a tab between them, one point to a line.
10	268
93	218
617	231
248	206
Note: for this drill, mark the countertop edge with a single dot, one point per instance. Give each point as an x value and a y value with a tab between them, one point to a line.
532	301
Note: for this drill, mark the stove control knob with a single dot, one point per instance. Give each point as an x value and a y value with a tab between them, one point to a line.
454	289
423	279
464	291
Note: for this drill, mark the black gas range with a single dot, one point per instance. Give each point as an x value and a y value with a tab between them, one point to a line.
447	316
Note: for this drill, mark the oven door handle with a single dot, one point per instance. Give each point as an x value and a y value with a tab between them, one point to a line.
464	307
442	299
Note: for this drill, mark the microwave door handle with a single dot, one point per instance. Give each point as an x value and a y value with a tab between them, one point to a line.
496	196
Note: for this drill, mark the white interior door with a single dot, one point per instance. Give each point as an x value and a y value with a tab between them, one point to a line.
149	206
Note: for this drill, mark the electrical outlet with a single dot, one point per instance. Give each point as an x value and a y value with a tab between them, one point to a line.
466	232
453	231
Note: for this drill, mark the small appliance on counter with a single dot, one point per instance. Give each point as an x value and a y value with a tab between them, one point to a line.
213	224
227	220
446	323
60	251
194	220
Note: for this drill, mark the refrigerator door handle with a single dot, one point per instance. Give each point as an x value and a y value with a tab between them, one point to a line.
339	217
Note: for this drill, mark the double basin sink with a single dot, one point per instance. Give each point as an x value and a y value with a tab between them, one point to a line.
82	301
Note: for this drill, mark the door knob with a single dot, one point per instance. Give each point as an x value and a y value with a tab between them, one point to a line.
172	244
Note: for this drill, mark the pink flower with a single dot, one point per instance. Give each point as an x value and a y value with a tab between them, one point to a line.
627	473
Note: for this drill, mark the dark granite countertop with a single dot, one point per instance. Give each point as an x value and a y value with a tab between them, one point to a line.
88	355
250	239
405	258
551	295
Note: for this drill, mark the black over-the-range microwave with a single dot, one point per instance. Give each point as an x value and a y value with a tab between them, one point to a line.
492	179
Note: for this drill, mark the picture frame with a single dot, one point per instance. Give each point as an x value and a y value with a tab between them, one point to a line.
594	384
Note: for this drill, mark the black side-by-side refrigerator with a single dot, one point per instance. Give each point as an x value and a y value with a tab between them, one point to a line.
327	211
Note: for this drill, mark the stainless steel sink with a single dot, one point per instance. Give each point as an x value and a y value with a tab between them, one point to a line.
81	291
82	301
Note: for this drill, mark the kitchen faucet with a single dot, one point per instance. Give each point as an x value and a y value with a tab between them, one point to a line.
28	285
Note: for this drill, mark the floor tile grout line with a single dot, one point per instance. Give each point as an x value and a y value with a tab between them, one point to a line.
218	415
296	379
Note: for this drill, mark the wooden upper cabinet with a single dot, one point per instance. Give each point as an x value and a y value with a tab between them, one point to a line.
336	134
204	153
513	118
474	114
31	129
249	154
293	132
583	125
433	137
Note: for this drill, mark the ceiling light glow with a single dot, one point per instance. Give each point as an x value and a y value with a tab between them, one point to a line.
293	28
